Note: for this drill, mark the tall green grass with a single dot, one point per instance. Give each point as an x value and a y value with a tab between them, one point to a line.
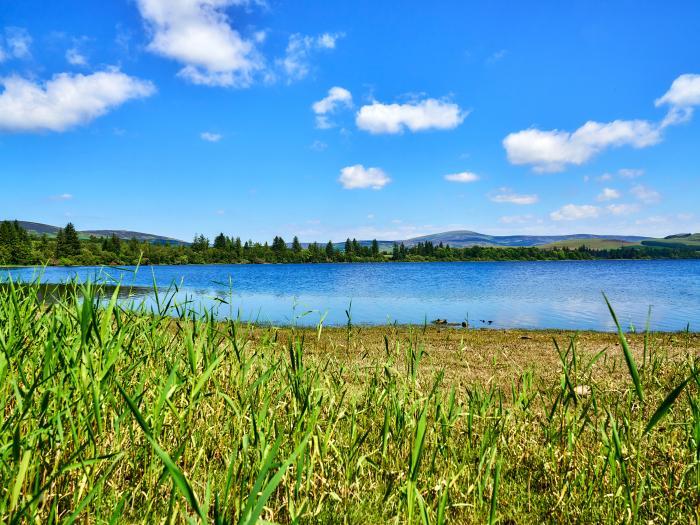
111	414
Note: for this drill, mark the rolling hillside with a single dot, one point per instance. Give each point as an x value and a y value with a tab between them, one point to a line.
465	238
46	229
593	244
681	240
462	238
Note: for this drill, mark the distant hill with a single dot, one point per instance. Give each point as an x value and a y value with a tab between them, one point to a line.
46	229
462	238
465	238
456	239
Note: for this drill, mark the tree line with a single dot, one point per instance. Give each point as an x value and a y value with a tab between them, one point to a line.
19	247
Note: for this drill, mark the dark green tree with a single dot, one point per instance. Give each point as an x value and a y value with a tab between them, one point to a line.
67	242
279	247
296	245
220	242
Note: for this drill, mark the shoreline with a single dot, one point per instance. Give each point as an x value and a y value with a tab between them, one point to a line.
341	263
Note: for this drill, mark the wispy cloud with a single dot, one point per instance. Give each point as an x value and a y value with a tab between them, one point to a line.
62	197
646	195
608	194
506	195
463	177
574	212
337	97
296	63
17	44
208	136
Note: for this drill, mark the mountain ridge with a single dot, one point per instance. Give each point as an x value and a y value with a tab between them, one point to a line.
455	238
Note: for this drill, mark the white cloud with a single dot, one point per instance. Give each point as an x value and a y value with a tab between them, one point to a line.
608	194
327	40
683	95
17	43
318	145
646	195
622	209
628	173
337	96
66	100
61	197
498	55
198	34
357	177
573	212
516	219
464	176
418	116
296	62
685	91
210	137
75	57
605	177
506	195
554	150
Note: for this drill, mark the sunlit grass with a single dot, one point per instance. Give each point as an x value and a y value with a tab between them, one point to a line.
119	415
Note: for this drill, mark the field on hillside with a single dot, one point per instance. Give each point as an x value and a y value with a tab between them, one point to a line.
593	244
689	241
113	415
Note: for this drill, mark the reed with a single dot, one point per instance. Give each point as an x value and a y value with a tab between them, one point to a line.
114	412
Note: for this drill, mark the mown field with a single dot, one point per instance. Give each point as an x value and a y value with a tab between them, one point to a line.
116	416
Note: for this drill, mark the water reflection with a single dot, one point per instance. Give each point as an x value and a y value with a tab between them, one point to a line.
509	294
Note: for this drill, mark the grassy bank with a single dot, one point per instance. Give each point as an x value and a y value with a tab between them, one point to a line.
116	416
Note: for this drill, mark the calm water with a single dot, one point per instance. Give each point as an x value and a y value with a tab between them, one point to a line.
509	294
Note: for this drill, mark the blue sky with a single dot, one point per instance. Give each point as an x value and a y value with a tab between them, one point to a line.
360	119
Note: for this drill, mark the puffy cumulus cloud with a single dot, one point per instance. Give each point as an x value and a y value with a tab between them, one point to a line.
296	62
574	212
337	97
549	151
198	34
208	136
17	44
608	194
66	100
506	195
359	177
554	150
646	195
622	209
464	177
417	116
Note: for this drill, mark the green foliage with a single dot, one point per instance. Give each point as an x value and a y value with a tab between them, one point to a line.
114	413
18	247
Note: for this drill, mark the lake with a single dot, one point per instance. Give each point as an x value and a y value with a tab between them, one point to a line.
561	294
